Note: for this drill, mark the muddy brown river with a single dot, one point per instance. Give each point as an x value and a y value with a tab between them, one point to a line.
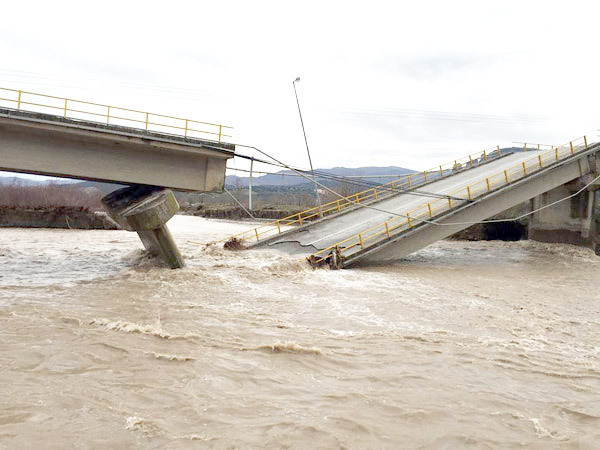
482	345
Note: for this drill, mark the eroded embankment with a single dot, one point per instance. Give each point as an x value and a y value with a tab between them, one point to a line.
55	217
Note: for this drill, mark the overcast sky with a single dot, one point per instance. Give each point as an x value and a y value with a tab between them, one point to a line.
409	84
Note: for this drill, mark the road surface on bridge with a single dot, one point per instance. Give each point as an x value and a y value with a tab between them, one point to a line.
323	234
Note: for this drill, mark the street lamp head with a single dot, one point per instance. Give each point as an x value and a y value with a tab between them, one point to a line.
297	79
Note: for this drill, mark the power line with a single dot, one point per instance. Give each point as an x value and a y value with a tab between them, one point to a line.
446	113
283	174
342	179
120	83
432	222
454	118
334	192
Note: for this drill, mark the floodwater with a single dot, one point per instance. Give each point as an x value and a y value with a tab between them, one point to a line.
483	345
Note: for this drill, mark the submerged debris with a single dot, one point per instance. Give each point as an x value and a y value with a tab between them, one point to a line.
333	259
234	244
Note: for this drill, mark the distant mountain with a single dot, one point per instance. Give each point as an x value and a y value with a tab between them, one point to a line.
290	178
105	188
9	180
18	181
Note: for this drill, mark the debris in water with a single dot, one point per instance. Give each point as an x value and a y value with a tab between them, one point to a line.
234	244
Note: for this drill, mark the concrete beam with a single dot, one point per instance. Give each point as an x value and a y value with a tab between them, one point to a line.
502	199
50	145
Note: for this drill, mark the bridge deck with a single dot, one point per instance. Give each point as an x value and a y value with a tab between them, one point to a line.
325	233
398	225
46	144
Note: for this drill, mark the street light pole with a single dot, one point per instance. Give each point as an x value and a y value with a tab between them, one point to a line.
308	151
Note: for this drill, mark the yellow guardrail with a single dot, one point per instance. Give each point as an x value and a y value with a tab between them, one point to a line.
429	210
409	181
115	115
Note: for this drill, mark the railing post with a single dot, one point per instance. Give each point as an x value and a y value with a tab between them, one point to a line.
256	233
220	132
147	114
572	151
441	172
585	141
339	208
429	208
470	161
540	159
186	127
524	169
108	115
556	153
65	114
525	146
408	179
506	176
449	202
499	151
425	176
19	101
487	181
468	192
387	230
375	193
484	156
299	218
356	197
278	227
362	245
408	219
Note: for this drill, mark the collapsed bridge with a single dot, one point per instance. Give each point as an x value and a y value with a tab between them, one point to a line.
388	222
150	153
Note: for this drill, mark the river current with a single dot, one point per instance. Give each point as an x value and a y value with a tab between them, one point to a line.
483	345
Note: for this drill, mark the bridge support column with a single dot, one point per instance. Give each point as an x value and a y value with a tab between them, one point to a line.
146	210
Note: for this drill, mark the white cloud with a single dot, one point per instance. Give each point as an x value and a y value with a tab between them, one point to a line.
363	66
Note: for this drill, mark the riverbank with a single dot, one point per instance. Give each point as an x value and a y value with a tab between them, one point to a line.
236	213
69	217
81	218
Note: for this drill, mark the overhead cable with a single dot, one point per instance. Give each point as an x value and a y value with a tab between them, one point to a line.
432	222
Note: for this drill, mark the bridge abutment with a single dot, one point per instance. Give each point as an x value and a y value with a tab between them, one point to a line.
146	210
574	221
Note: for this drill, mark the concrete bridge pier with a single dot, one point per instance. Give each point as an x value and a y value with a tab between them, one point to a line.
146	210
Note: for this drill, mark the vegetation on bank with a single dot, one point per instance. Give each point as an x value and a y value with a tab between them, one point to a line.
52	206
50	196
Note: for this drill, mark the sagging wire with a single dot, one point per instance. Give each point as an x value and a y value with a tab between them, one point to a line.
415	218
384	188
301	172
285	174
331	190
238	202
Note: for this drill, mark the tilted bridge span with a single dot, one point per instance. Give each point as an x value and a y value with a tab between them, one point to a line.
388	222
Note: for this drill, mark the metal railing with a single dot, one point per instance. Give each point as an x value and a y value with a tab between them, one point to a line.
401	184
109	115
428	211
